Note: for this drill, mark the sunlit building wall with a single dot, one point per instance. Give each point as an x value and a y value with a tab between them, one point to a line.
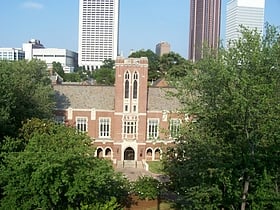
98	32
249	13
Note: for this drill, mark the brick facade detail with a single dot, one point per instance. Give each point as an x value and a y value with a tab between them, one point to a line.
127	121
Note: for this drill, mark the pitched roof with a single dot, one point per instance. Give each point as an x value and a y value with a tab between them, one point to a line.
84	97
102	97
160	99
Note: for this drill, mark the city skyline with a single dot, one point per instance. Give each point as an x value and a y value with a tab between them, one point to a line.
143	23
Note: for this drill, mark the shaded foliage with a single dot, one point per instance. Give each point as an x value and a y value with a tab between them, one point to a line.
104	76
153	61
57	67
170	61
146	187
229	157
54	168
160	67
108	63
26	92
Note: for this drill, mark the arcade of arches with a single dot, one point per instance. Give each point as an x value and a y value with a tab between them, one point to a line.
104	153
129	153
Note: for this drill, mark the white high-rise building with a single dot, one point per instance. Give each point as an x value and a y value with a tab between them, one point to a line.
249	13
98	32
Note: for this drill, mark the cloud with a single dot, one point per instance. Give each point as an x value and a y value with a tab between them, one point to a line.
32	5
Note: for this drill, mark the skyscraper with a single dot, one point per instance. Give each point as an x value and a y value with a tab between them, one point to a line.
243	12
204	26
98	32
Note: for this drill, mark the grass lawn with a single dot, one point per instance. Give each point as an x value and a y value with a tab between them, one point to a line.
155	167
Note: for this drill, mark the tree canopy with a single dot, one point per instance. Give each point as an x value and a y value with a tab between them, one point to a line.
26	92
57	67
108	63
169	60
160	66
153	59
51	166
105	75
228	158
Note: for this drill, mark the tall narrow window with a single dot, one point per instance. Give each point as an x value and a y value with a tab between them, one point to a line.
135	85
153	128
81	124
104	127
174	127
126	85
135	89
126	89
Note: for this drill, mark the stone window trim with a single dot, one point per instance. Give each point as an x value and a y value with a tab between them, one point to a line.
82	124
153	128
104	127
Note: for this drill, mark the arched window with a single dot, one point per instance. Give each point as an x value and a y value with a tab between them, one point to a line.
126	76
126	89
157	154
99	153
126	85
108	152
149	154
135	85
135	89
135	76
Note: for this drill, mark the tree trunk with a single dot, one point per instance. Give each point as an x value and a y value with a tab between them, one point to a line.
245	192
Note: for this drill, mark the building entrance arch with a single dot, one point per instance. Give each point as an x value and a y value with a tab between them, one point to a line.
129	154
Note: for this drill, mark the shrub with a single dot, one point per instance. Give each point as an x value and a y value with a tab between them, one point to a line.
146	188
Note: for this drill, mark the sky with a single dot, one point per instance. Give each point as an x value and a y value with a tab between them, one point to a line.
143	23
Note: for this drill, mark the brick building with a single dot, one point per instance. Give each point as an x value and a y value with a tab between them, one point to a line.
128	121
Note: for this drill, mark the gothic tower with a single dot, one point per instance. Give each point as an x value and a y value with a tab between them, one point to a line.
131	107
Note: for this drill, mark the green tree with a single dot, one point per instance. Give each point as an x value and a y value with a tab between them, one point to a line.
153	60
55	169
168	61
26	92
72	77
147	188
229	157
108	63
180	70
104	76
57	67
